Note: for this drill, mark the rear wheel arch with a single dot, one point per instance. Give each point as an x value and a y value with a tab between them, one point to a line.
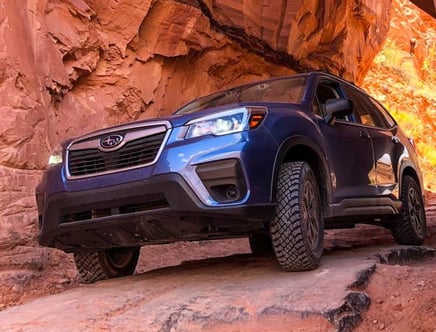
302	149
409	170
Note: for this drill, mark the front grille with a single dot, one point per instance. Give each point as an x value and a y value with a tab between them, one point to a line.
92	161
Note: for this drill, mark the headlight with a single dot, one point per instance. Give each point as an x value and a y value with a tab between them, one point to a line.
232	121
55	157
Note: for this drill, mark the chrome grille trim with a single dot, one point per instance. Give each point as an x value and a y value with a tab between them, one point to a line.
128	153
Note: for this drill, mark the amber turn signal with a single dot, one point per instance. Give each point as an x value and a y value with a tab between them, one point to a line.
256	120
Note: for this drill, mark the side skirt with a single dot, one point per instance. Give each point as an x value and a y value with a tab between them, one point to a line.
364	206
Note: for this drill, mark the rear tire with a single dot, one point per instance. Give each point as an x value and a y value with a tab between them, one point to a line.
411	227
297	230
105	264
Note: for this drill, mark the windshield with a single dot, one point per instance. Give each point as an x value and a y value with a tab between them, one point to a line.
283	90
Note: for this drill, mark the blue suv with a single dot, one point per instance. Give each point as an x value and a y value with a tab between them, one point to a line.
276	161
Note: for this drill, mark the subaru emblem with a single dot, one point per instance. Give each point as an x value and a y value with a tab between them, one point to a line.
111	141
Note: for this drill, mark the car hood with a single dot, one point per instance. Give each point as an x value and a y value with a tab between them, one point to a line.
175	120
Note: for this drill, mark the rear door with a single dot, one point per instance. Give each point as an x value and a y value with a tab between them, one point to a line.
381	130
388	149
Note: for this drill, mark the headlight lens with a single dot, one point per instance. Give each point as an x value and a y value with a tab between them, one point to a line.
55	157
223	123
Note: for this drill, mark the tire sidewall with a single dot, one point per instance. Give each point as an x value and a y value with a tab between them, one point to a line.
309	176
410	183
124	269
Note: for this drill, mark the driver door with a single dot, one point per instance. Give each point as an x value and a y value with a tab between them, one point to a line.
349	150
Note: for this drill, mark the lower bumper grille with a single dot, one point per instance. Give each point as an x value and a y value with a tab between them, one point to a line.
157	203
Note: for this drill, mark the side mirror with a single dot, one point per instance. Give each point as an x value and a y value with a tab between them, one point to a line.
337	108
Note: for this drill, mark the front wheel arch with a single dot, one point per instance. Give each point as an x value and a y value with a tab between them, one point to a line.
302	149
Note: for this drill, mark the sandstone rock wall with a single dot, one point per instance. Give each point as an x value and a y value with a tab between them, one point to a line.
71	66
403	77
340	36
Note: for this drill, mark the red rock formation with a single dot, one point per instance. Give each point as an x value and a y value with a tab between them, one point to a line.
341	36
403	77
71	66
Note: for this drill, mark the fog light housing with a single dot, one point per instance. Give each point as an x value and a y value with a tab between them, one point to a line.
232	192
223	179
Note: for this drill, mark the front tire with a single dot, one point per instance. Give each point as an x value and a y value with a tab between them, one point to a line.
105	264
297	230
411	227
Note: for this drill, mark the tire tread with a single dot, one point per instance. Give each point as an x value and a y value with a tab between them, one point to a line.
88	264
289	242
94	266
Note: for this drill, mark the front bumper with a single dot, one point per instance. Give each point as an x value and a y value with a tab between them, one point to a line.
161	209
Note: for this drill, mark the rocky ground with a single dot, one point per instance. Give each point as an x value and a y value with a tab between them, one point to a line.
404	298
402	294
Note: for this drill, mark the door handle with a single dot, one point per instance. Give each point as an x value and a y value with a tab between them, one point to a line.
363	134
395	140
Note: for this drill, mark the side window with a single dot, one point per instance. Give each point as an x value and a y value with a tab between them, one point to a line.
385	117
316	109
326	91
363	108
